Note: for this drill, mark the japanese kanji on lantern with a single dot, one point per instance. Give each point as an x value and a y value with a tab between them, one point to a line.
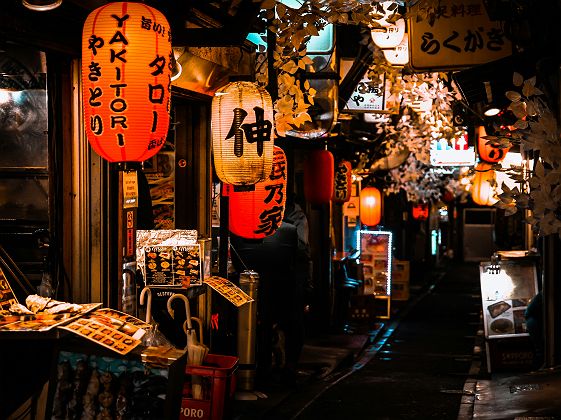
126	49
242	129
370	206
487	150
343	182
318	176
258	214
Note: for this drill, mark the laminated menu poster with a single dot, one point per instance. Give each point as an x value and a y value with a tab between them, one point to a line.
229	290
506	291
173	265
375	256
109	328
7	297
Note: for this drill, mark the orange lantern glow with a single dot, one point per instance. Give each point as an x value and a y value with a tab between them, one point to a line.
257	214
343	182
318	177
420	211
483	185
487	151
126	49
242	127
370	206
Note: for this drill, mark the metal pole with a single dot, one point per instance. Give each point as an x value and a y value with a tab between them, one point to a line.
247	323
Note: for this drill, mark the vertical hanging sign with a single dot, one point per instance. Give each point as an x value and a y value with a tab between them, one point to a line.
130	203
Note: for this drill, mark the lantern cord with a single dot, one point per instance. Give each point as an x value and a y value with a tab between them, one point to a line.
239	257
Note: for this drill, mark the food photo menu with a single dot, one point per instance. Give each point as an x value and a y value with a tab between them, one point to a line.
506	290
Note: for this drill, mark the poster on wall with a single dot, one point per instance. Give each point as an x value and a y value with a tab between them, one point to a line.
160	174
368	95
506	291
376	258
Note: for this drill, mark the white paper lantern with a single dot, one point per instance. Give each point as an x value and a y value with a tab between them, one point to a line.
398	56
389	36
242	130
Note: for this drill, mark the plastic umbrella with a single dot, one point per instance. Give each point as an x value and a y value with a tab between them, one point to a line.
147	291
196	351
153	338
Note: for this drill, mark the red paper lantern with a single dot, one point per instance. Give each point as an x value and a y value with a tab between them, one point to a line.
487	151
343	182
257	214
318	177
126	50
370	206
420	211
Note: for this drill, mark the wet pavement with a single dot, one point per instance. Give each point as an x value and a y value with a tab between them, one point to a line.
427	362
532	395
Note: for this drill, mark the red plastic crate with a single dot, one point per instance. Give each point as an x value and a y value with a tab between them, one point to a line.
219	385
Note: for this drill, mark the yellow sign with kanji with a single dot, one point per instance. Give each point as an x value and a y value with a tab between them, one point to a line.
454	35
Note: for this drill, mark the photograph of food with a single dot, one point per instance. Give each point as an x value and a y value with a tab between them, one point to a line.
380	264
158	265
498	308
173	266
111	338
502	326
187	260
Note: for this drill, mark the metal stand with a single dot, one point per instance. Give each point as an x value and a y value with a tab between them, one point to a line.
247	322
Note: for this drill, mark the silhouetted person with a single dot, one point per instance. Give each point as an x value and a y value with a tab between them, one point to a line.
280	293
534	325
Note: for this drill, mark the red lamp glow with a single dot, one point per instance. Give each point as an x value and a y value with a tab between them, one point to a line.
370	206
318	177
420	211
258	214
126	50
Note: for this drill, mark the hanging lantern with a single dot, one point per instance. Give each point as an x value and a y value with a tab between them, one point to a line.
389	36
258	213
370	206
483	185
126	50
420	211
343	182
318	177
242	126
398	56
487	151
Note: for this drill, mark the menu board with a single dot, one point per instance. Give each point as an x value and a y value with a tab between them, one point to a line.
173	265
109	328
376	258
506	290
229	290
